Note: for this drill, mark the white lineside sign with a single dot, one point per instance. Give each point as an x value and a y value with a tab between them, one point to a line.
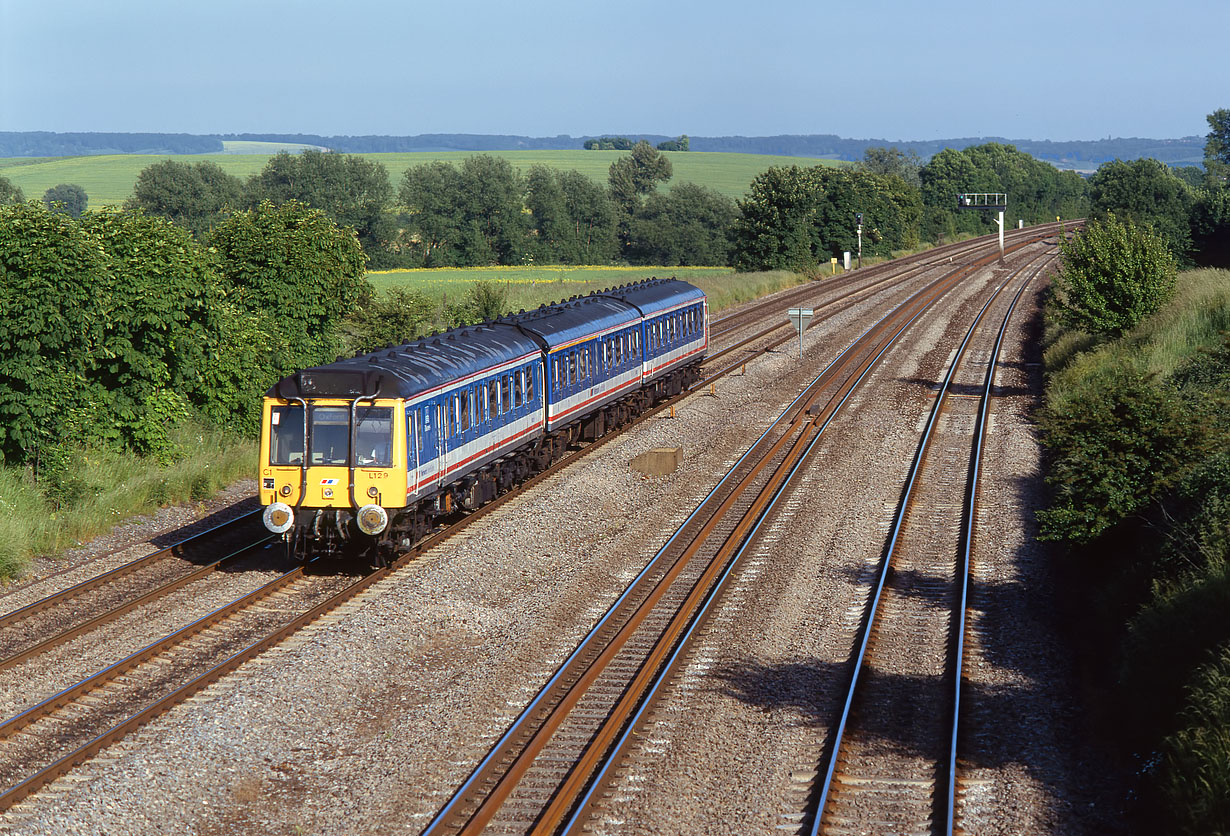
801	317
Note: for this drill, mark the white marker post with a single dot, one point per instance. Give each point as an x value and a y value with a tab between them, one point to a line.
801	317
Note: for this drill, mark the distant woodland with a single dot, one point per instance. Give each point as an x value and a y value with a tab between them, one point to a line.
1075	154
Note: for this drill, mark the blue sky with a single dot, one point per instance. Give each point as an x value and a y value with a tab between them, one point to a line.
877	69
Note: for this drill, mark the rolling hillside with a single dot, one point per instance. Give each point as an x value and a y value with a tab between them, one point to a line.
109	179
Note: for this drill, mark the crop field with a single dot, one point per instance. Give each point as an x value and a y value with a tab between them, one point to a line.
108	179
529	287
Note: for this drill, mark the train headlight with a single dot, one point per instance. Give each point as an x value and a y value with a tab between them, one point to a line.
278	517
372	519
286	490
373	491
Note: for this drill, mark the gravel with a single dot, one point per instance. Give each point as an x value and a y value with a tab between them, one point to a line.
366	721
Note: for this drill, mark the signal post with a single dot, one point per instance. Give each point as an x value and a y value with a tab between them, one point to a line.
987	202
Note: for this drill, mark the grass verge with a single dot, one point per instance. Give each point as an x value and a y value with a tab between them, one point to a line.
113	487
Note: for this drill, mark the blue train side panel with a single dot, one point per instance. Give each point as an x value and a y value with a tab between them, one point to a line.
592	354
675	323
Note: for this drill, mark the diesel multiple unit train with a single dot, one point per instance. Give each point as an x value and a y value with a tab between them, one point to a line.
367	454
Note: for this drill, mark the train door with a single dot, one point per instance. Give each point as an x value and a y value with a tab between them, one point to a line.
414	446
444	424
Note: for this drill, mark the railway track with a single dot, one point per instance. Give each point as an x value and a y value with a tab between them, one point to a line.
830	298
552	763
892	762
58	618
102	709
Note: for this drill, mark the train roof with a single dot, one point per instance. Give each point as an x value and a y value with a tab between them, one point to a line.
653	295
579	317
408	370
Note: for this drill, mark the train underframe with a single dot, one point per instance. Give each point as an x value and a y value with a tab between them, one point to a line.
332	532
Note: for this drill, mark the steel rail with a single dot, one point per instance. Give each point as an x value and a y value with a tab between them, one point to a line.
101	677
821	422
9	618
486	807
926	258
128	606
895	532
967	546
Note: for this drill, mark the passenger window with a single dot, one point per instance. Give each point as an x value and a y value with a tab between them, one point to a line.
450	413
286	435
518	390
374	436
529	385
506	393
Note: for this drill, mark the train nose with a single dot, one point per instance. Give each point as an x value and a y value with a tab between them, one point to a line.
278	517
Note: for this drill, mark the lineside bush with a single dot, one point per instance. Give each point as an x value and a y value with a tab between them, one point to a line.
1114	274
1137	431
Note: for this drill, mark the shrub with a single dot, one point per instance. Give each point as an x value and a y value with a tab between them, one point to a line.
397	317
1114	444
486	300
1113	276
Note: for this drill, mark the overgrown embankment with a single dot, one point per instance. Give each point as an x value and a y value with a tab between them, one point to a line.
1137	429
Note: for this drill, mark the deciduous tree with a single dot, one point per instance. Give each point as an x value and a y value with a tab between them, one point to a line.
1146	192
688	225
797	218
154	309
1217	147
351	190
572	219
52	277
10	194
1114	274
68	198
890	161
295	268
191	195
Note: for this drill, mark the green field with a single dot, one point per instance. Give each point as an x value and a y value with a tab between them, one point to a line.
529	287
108	179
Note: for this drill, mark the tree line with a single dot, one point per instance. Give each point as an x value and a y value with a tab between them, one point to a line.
1174	152
485	212
115	325
482	212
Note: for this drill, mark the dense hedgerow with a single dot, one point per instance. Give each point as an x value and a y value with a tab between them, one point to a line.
1140	466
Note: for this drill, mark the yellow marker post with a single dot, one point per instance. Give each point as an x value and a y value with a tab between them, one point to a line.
833	265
